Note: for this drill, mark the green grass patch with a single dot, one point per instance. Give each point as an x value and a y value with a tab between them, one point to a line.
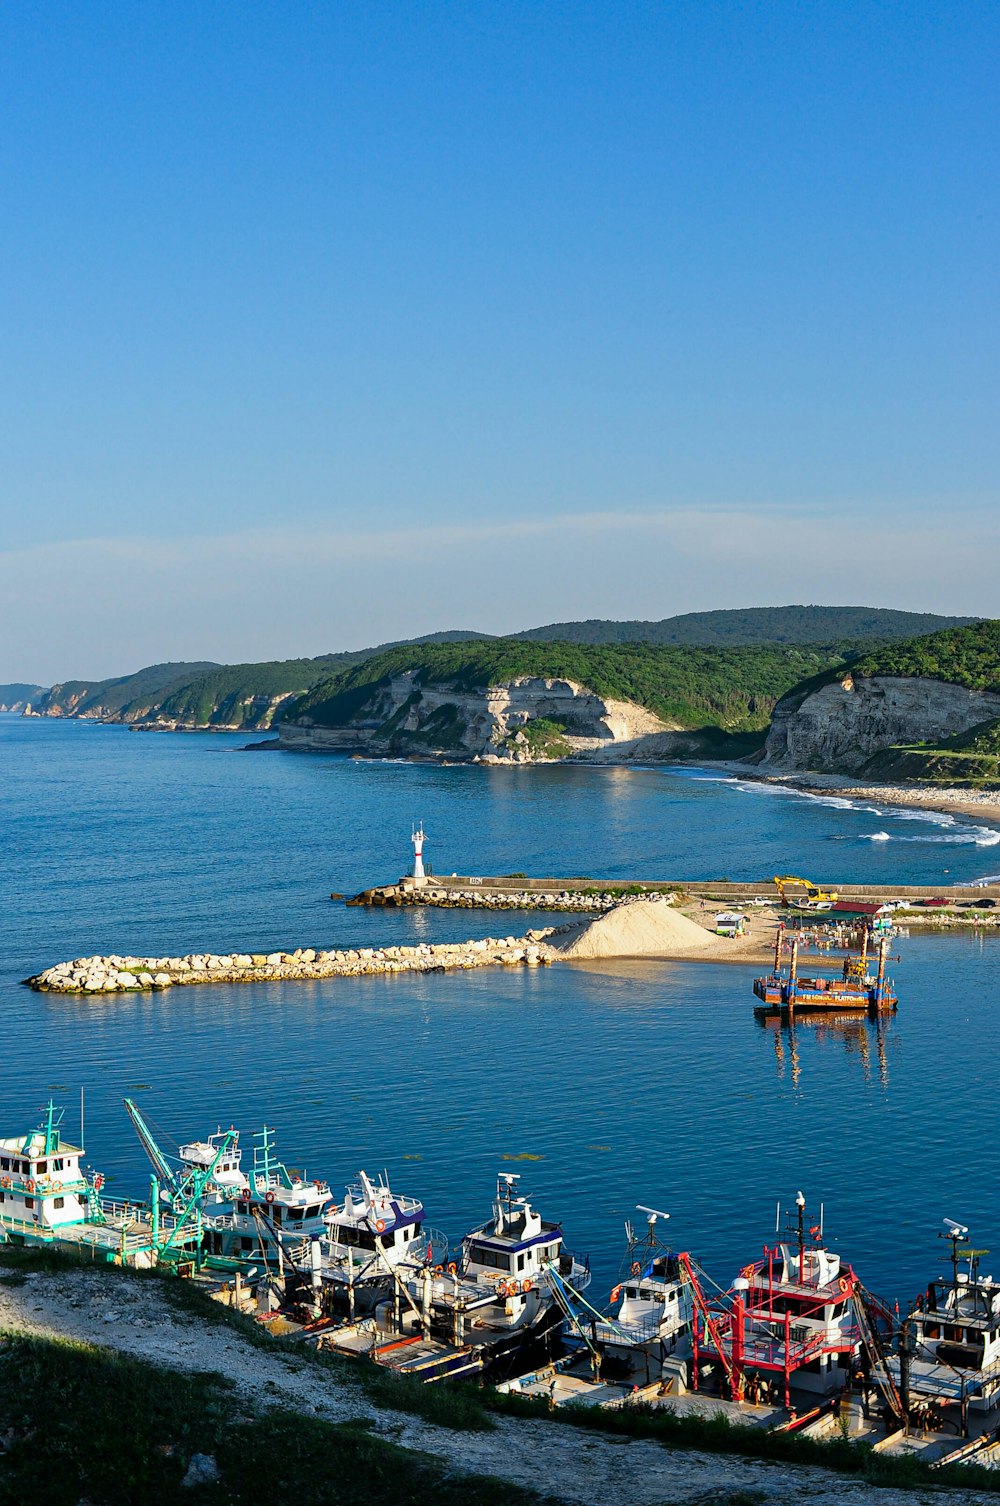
85	1425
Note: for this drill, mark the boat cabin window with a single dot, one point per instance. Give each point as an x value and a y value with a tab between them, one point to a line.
43	1167
59	1202
29	1202
495	1258
520	1261
357	1239
246	1244
4	1163
311	1212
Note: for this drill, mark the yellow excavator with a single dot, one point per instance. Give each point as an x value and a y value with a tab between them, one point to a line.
798	891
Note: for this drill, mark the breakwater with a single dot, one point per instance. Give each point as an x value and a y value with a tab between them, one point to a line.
596	896
114	974
454	897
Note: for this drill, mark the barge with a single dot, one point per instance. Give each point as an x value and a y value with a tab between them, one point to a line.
784	992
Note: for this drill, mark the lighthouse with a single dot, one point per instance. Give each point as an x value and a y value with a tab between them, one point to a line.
417	839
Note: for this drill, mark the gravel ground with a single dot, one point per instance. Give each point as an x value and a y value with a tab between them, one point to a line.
582	1469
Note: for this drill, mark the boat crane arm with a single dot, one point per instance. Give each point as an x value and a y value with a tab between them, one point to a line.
187	1194
162	1167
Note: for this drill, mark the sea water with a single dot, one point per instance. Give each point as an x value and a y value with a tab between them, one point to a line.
603	1085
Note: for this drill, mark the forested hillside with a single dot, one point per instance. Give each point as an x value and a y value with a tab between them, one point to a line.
747	625
968	656
692	687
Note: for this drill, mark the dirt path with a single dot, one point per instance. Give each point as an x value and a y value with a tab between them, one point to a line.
582	1469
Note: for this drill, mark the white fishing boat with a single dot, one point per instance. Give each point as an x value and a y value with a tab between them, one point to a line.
643	1339
490	1312
245	1216
47	1198
949	1348
370	1240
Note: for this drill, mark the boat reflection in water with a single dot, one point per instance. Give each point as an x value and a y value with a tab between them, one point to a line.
864	1039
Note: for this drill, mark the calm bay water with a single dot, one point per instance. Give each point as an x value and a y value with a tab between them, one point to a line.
635	1082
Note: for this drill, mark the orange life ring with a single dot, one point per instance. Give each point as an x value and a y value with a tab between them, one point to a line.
439	1270
5	1181
748	1272
29	1185
844	1284
380	1226
636	1268
616	1292
502	1289
526	1285
57	1186
245	1194
269	1197
452	1268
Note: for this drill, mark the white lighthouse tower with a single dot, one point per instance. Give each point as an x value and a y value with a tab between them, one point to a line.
417	839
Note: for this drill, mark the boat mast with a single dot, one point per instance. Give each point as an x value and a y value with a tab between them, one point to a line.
800	1204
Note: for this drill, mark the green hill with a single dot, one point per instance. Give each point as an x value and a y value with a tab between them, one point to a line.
748	625
733	688
17	693
968	656
91	697
204	693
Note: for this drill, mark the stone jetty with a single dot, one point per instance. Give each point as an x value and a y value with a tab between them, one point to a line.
406	892
114	974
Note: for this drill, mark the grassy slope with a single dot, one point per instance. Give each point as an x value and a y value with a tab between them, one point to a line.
734	688
83	1424
116	1429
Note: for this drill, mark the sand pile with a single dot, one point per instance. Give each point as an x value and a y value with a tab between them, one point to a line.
638	928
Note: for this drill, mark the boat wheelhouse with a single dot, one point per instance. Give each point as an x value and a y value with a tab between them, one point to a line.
491	1311
370	1238
644	1338
788	1320
272	1208
47	1198
949	1347
242	1216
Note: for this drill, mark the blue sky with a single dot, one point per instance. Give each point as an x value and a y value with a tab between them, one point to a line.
327	324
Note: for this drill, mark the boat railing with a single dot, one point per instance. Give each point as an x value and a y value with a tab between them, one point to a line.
628	1330
384	1196
104	1236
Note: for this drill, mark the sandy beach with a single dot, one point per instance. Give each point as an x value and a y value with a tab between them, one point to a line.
952	800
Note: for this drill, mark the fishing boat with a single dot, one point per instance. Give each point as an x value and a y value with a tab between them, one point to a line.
949	1347
369	1239
48	1199
644	1338
491	1313
243	1216
855	989
791	1321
